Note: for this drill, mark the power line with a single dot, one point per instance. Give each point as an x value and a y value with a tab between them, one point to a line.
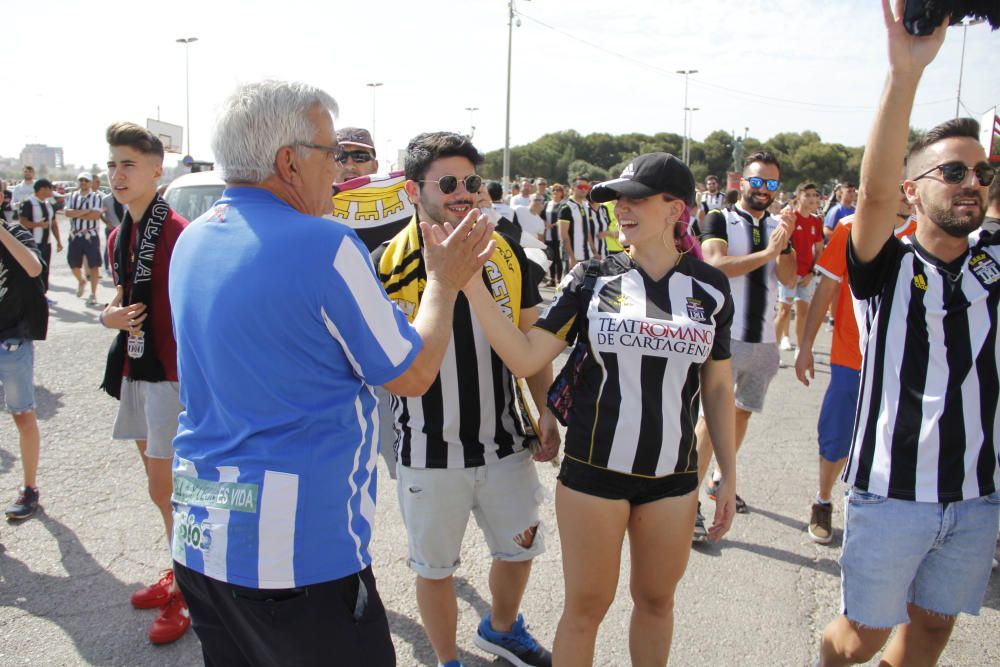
815	106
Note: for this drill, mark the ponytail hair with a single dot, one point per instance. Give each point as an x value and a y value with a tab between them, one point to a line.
683	240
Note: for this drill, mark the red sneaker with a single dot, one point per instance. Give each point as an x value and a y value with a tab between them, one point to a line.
172	622
155	596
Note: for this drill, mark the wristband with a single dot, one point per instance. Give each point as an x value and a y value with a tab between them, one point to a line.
788	249
100	318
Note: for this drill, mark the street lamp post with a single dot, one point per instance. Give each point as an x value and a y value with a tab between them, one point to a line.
374	85
187	41
690	129
686	73
961	63
472	120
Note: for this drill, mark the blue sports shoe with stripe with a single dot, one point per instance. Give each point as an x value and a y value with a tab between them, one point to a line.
517	646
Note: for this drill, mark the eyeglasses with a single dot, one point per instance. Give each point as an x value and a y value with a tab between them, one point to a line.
359	157
757	182
448	184
329	150
955	172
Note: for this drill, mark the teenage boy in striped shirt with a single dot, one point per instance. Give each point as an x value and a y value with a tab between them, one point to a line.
921	517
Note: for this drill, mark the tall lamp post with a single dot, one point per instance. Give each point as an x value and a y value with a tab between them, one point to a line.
187	41
690	131
472	120
374	85
686	73
506	134
961	63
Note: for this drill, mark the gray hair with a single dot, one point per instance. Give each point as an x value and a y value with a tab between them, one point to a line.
257	120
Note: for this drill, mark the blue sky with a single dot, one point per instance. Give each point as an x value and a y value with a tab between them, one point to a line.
589	65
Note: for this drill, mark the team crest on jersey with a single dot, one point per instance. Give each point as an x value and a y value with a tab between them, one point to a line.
696	311
920	282
622	300
406	306
984	268
756	235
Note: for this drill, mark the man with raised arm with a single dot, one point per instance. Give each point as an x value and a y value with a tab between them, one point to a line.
921	516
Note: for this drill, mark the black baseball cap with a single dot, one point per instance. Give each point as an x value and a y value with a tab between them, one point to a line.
649	174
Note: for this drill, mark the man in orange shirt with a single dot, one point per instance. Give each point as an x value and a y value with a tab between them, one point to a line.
836	417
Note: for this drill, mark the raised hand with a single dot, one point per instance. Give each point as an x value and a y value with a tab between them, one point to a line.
453	256
909	54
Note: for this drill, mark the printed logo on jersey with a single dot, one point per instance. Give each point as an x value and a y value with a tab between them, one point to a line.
696	311
498	286
984	268
920	282
756	236
188	532
622	300
614	333
406	306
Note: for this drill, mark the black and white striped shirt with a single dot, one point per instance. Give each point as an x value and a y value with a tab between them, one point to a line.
578	218
710	202
78	201
927	426
600	220
636	404
35	210
469	416
754	293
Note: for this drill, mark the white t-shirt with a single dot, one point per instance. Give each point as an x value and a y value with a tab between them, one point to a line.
530	223
520	200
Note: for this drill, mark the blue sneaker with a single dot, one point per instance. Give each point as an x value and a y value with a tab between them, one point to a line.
452	663
517	646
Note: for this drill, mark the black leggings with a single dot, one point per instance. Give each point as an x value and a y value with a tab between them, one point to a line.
555	254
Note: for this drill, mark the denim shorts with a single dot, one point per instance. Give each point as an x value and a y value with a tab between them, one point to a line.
836	417
798	293
937	556
17	375
436	504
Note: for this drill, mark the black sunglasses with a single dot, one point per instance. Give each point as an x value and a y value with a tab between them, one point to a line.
757	182
448	184
359	157
955	172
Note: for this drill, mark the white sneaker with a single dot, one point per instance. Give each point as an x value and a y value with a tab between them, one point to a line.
786	344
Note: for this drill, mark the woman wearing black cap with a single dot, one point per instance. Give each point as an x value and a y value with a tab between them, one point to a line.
655	323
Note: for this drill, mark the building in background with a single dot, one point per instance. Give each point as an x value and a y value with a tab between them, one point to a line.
39	155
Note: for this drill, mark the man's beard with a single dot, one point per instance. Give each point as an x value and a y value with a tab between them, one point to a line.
749	202
957	226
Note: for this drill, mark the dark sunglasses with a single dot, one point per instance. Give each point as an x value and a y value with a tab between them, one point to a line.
448	184
757	182
359	157
955	172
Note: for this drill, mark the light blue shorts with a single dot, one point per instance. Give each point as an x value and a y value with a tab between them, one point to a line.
17	375
799	293
937	556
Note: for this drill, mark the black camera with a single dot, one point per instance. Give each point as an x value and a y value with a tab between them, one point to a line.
921	17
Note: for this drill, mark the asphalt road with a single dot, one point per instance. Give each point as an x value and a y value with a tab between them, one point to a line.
760	597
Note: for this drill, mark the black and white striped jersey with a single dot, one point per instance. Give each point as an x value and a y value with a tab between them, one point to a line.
927	427
600	220
36	210
78	201
754	293
578	218
636	404
710	202
468	417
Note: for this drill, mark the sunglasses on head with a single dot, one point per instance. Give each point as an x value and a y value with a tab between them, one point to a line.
448	184
955	172
757	182
359	157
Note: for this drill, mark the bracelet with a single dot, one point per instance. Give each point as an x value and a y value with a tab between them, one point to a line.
100	318
788	249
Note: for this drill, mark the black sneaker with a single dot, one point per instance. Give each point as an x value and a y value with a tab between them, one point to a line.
24	506
741	505
517	646
700	534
